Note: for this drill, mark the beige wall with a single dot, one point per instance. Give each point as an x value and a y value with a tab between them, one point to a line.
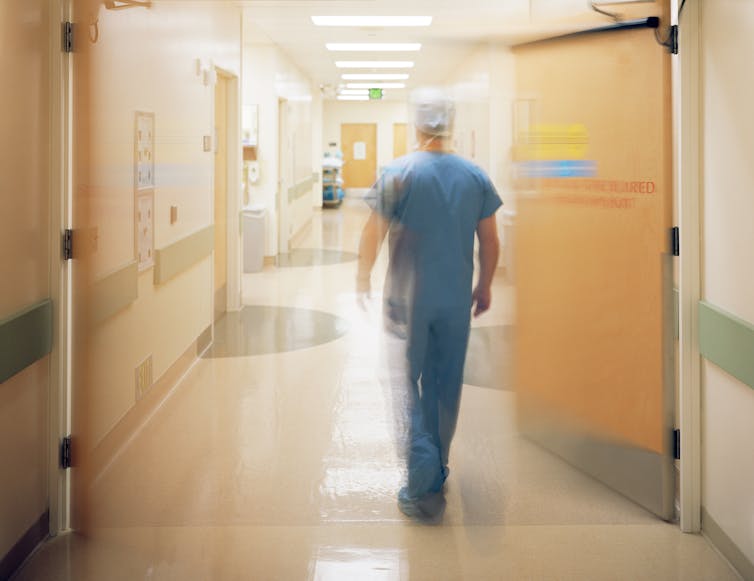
727	256
269	75
25	268
383	113
484	90
146	60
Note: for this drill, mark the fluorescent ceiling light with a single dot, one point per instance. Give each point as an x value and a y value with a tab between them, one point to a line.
376	86
353	92
372	20
353	97
375	76
374	64
374	46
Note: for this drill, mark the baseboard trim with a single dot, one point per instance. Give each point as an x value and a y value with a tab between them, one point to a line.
112	444
25	546
726	547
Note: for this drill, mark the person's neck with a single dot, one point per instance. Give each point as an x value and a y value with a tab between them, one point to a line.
433	144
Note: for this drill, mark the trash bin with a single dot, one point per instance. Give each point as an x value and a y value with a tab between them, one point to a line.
253	237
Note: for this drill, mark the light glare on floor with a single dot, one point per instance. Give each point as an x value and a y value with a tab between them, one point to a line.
372	20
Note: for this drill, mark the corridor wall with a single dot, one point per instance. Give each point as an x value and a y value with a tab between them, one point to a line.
484	89
26	216
383	113
727	248
269	76
158	61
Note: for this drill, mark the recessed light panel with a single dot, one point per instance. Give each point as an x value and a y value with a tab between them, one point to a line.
378	21
374	46
353	97
376	86
374	64
375	76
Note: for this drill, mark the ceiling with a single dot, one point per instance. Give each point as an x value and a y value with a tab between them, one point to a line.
458	27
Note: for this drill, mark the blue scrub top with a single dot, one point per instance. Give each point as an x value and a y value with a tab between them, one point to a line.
434	202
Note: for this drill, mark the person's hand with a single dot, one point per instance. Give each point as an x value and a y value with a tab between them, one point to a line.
363	293
481	299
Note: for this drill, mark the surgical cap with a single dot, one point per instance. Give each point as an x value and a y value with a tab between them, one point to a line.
434	112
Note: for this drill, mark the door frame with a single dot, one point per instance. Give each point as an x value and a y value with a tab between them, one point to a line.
233	200
284	173
688	135
60	195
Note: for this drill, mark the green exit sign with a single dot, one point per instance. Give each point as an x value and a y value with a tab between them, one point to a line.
375	94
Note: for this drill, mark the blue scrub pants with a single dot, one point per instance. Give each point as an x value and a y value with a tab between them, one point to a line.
436	352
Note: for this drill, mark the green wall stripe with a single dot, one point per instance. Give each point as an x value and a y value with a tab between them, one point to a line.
182	255
302	188
727	341
25	338
115	291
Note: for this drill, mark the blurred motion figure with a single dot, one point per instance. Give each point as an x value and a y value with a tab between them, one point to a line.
432	202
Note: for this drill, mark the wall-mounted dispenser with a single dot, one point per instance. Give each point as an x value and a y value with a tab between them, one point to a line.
252	171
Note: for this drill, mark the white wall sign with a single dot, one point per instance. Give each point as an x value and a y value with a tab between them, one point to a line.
360	150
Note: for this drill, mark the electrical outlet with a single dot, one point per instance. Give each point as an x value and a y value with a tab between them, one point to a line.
143	377
207	143
173	214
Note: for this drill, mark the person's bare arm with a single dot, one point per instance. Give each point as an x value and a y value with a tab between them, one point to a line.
489	248
371	239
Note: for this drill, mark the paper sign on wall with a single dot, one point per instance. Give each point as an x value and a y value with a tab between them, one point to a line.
360	150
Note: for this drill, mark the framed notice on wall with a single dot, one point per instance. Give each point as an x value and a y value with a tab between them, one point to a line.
144	183
359	150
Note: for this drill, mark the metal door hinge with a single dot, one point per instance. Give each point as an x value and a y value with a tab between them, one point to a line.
673	39
68	245
65	453
67	37
677	444
675	241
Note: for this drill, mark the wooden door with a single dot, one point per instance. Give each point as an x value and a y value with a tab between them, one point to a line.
359	154
400	140
221	188
594	212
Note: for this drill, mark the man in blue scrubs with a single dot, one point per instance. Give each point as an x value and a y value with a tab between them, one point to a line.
433	203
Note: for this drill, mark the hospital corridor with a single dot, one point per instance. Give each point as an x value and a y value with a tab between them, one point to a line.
250	242
275	459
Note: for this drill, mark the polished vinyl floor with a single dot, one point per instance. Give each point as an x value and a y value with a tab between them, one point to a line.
275	459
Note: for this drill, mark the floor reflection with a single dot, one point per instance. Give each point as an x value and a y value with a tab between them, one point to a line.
314	257
490	357
259	330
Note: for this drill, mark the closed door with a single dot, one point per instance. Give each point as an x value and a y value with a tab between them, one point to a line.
400	140
593	270
221	203
359	154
